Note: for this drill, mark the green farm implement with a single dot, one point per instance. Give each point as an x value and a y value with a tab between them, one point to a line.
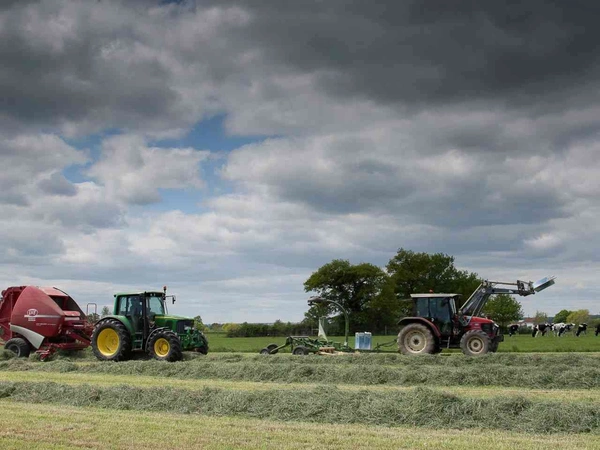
304	345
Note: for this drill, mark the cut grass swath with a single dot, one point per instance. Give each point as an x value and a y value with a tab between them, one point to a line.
565	372
417	407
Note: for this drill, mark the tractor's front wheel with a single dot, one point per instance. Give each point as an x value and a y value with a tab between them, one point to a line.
416	339
164	345
475	343
19	346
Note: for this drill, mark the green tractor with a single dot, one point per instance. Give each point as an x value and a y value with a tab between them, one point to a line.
140	322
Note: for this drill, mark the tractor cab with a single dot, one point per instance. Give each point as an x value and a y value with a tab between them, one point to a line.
439	309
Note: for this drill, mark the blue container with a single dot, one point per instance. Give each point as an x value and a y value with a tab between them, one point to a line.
362	341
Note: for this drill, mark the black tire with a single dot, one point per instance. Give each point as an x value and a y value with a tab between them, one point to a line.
300	350
265	351
416	339
272	347
165	345
111	346
475	343
204	349
494	347
19	346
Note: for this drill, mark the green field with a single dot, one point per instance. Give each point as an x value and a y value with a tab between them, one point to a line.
520	343
237	400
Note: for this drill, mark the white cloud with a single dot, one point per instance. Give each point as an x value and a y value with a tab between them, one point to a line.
133	172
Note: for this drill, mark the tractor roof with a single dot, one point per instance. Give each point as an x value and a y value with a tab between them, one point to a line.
433	295
119	294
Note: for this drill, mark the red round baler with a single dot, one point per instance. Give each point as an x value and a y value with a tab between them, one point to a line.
42	318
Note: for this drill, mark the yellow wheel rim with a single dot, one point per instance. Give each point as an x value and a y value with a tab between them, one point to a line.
108	342
162	347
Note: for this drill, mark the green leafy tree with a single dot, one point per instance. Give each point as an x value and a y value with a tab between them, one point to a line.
93	318
540	317
412	273
198	323
561	316
105	311
579	316
503	309
360	289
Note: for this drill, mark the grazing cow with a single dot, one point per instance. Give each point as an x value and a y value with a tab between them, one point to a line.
512	329
582	328
597	329
540	328
557	327
565	328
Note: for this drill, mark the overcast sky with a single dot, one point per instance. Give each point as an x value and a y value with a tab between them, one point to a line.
228	149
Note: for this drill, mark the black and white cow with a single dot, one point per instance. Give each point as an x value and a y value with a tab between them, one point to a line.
562	328
582	328
540	328
512	329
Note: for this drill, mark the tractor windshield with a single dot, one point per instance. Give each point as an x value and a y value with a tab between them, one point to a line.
156	305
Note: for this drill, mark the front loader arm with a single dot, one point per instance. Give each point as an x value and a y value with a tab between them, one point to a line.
487	288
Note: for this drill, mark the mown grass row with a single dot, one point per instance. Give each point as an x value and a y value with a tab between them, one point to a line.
365	359
60	427
553	373
420	407
77	378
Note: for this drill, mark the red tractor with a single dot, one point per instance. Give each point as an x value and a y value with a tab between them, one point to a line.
41	319
436	323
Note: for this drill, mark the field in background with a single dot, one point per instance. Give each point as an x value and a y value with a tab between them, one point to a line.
519	343
379	401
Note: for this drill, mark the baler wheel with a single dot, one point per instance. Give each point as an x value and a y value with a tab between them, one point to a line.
272	347
111	341
475	343
165	346
416	339
300	350
265	351
19	346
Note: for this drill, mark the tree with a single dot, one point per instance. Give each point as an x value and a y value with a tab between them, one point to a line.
579	316
93	318
198	323
105	311
423	272
540	317
358	288
561	316
503	309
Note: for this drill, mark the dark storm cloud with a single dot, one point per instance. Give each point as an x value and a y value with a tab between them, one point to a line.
422	52
57	66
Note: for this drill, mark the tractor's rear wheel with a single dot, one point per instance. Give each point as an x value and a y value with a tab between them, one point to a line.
475	343
111	341
165	345
19	346
300	350
416	339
